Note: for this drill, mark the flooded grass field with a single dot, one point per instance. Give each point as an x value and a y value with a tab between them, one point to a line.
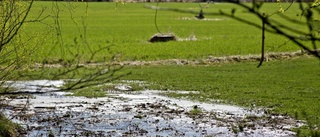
214	58
50	112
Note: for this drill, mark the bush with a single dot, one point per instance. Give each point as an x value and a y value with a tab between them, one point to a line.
8	128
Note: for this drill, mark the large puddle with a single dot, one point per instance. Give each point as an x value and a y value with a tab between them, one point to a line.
145	113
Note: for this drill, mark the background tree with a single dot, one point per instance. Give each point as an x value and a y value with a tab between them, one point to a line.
13	15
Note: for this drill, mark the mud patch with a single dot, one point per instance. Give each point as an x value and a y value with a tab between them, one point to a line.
217	60
206	61
143	113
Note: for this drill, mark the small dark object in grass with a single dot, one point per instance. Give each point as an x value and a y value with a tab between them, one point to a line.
162	38
200	16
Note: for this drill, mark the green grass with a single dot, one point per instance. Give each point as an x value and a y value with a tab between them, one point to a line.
89	92
195	112
8	128
126	32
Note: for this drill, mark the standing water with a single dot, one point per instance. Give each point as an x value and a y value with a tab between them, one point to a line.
145	113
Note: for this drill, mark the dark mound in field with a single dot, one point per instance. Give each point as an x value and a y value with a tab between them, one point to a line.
162	38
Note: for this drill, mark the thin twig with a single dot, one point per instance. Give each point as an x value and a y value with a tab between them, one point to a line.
155	18
262	44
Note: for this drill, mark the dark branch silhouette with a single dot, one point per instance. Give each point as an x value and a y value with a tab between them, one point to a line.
200	16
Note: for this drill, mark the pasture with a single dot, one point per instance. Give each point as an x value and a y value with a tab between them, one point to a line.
126	29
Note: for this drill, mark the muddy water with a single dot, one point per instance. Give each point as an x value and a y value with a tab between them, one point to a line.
144	113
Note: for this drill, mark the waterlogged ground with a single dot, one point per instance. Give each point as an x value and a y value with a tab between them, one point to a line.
146	113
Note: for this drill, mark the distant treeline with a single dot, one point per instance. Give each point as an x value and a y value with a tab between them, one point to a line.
178	0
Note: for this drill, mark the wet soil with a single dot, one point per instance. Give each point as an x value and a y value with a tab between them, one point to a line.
206	61
144	113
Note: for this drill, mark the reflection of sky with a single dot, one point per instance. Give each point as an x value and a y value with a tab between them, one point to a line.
35	85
